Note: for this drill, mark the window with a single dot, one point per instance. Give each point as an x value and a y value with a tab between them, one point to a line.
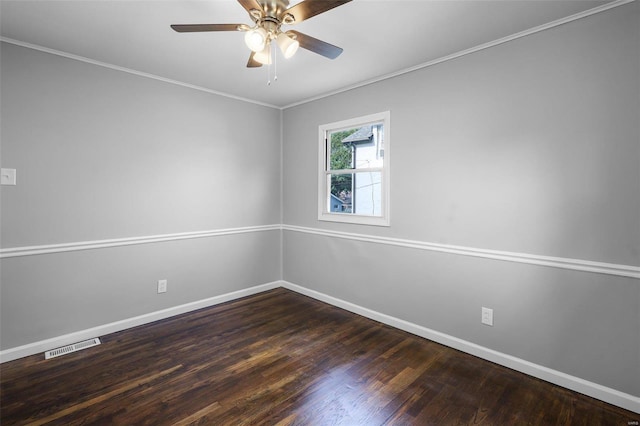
353	178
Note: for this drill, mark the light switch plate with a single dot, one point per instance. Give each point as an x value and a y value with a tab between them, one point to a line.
8	176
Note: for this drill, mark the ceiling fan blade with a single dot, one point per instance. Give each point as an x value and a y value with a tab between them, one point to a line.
309	8
194	28
317	46
252	62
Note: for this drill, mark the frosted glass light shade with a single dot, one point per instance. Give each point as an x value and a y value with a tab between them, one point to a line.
256	39
287	45
264	56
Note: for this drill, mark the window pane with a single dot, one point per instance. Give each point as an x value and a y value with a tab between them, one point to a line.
340	155
341	191
367	193
358	193
359	147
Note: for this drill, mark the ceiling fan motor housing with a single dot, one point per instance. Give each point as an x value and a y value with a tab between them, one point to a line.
272	16
274	8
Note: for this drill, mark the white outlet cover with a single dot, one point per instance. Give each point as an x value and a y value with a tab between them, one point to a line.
8	176
487	316
162	286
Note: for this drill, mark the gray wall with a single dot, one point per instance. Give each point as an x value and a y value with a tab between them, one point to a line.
103	154
531	146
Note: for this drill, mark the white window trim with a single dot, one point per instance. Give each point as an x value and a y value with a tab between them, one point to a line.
323	214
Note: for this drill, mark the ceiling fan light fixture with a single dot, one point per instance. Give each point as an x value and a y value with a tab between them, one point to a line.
256	39
264	56
264	33
288	45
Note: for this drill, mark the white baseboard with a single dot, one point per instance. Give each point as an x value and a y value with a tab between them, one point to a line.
594	390
67	339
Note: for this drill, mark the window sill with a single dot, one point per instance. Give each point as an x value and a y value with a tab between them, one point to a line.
354	219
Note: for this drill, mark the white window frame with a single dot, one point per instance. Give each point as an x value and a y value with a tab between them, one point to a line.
324	170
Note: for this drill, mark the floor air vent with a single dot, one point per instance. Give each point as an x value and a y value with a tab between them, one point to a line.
71	348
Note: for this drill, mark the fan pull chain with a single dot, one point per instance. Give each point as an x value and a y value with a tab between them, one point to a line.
273	57
275	62
269	66
268	74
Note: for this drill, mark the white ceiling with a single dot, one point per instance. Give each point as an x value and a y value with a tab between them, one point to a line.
379	37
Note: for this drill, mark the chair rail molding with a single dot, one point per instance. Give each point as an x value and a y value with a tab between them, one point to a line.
533	259
118	242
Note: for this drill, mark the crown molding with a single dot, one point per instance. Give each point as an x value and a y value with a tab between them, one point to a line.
478	48
469	51
130	71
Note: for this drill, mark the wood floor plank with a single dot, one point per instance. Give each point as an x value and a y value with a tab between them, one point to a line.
103	397
280	358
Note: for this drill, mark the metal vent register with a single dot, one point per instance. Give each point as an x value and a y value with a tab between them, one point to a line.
71	348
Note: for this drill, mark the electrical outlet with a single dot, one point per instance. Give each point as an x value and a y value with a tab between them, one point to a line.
487	316
162	286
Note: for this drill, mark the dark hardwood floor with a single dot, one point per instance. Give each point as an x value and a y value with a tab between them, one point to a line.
280	358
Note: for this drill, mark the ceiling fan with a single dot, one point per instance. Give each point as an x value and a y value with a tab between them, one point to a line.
268	16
